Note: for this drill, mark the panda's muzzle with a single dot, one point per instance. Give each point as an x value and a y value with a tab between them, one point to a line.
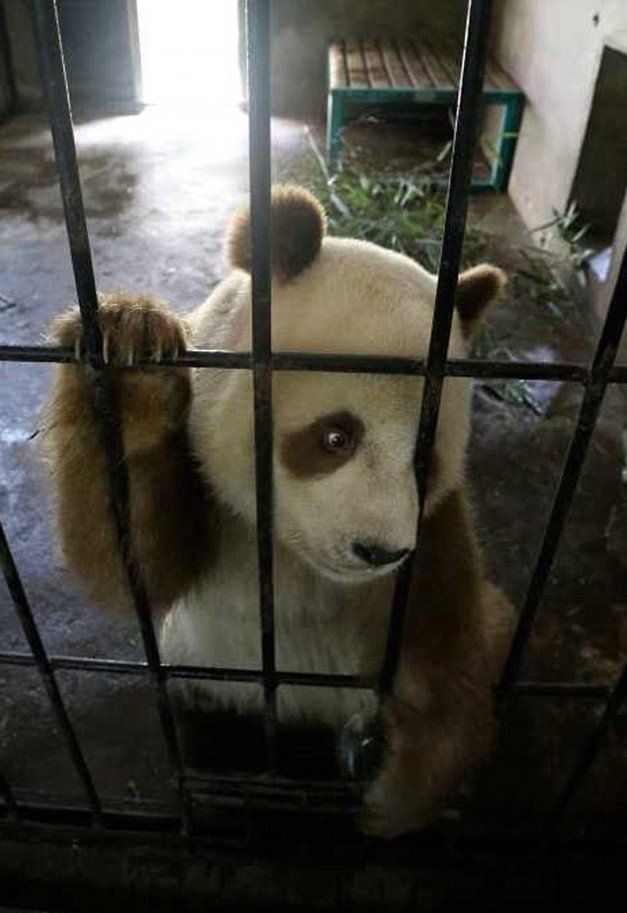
376	555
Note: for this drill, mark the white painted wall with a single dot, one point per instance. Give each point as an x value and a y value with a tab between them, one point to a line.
552	48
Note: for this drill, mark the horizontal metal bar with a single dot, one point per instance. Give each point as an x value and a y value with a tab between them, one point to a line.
76	816
66	822
585	690
194	358
453	367
343	364
208	673
40	659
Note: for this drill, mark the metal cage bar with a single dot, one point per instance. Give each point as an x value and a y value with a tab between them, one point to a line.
40	656
50	56
262	361
258	70
7	797
347	364
466	123
588	414
590	751
255	676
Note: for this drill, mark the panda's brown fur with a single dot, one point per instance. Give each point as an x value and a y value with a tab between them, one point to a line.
297	226
440	715
153	406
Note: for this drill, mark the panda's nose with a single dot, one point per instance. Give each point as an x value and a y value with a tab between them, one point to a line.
376	555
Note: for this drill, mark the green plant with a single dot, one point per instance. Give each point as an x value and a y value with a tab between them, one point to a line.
571	230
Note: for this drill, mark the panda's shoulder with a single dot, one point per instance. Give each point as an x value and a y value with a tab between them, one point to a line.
214	323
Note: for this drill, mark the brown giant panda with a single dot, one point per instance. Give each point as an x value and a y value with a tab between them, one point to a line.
346	504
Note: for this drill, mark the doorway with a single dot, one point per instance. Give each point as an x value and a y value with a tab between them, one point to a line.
190	52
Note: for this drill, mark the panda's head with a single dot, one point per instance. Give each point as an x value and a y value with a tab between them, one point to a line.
345	490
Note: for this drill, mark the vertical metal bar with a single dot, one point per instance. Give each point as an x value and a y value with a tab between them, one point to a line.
588	414
50	54
6	794
590	751
29	626
466	121
50	57
258	46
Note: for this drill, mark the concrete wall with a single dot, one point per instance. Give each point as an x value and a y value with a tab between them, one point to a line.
26	74
553	49
302	29
601	176
99	38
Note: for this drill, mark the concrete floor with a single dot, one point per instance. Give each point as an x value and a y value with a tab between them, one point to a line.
158	189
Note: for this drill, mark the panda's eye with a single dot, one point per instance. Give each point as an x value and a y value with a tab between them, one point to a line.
338	438
335	439
323	446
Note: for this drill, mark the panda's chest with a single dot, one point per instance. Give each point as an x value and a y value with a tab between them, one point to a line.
319	626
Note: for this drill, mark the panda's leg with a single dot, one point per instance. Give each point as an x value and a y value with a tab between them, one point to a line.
437	737
169	506
427	757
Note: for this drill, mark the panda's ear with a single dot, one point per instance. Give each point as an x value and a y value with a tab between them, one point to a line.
297	226
476	288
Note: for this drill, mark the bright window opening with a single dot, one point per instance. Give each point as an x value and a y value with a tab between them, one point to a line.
189	52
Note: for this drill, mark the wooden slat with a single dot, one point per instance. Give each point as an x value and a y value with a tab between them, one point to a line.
490	81
418	76
396	72
338	72
495	77
432	65
377	74
448	55
426	63
357	74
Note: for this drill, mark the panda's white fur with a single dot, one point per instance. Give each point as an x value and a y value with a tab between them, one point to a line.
354	298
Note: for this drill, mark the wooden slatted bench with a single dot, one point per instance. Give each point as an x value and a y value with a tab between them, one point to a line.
421	71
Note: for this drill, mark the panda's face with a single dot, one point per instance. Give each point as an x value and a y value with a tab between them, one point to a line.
346	498
345	493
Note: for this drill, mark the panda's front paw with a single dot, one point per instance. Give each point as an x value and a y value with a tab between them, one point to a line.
394	806
132	327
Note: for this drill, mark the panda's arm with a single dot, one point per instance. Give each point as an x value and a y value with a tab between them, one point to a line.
170	507
440	720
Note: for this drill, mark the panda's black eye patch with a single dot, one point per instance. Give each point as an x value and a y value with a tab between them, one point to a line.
322	446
